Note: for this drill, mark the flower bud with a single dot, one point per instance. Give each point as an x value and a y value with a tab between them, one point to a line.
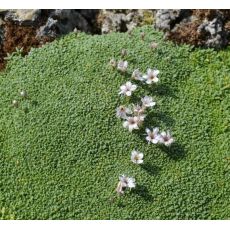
124	52
23	94
15	103
142	36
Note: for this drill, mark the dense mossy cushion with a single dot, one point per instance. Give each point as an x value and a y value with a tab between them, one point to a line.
63	149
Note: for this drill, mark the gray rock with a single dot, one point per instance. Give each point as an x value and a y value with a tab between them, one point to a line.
3	11
49	29
166	19
216	36
89	15
114	22
1	32
210	34
23	17
64	21
129	16
123	20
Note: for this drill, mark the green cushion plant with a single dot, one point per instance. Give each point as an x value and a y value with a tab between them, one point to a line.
62	149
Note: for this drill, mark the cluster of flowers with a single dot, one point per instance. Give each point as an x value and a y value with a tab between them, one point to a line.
134	117
129	182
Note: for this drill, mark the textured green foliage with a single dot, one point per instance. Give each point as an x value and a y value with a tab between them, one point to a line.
62	150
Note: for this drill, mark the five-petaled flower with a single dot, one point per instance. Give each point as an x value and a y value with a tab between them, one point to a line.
127	89
166	138
138	110
122	66
131	123
125	182
151	76
152	136
136	75
137	157
122	112
148	101
23	93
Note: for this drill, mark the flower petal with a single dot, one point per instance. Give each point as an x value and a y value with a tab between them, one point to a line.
125	124
156	72
123	87
163	133
149	82
128	93
128	84
149	71
139	161
154	141
141	155
156	130
133	87
147	130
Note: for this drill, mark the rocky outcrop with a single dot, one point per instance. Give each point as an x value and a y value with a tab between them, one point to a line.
216	35
23	17
124	20
62	22
33	27
205	28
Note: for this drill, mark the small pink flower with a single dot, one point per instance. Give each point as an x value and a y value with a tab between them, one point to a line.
122	112
137	157
127	89
148	101
122	66
131	123
136	75
152	136
151	76
166	138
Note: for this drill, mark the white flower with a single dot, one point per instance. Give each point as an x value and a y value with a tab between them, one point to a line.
113	62
127	182
137	157
23	93
148	101
151	76
153	45
131	123
142	35
15	103
152	136
122	66
138	110
127	89
137	75
122	112
119	188
166	138
124	52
